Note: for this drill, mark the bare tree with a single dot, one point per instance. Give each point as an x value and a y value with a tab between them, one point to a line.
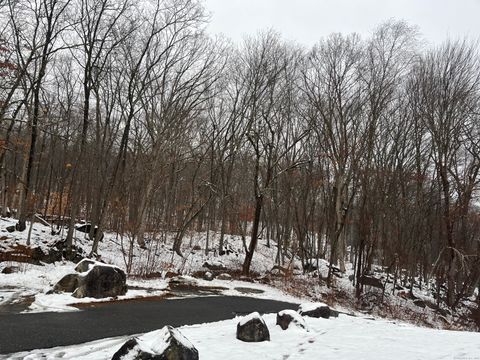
332	87
448	87
96	27
47	24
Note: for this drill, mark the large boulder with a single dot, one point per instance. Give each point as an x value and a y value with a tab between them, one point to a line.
95	280
165	344
287	317
315	310
102	281
252	328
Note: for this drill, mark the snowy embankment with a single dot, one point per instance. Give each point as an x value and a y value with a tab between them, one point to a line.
344	337
29	284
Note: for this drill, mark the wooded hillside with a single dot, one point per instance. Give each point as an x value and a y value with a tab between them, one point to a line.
129	115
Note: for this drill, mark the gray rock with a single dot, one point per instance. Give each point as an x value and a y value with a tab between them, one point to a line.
10	228
214	266
175	345
130	348
287	317
50	256
100	282
252	328
208	276
69	283
315	310
20	226
10	270
59	249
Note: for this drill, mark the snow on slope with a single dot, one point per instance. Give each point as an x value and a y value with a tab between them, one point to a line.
35	280
158	258
343	338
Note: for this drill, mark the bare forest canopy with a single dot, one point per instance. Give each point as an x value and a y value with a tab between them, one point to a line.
129	115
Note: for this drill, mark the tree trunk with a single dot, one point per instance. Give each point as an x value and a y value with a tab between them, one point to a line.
254	238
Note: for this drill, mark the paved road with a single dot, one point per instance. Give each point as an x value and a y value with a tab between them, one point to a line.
23	332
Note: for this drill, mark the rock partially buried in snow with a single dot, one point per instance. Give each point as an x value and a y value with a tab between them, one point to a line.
252	328
214	265
208	276
10	270
287	317
165	344
95	280
316	310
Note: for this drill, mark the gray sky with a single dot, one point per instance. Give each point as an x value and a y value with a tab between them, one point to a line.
306	21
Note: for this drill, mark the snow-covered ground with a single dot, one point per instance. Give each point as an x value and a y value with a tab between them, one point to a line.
36	281
344	337
157	258
30	283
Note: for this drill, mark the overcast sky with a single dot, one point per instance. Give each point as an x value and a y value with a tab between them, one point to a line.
306	21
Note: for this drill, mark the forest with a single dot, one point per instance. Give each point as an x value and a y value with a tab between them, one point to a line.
131	116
